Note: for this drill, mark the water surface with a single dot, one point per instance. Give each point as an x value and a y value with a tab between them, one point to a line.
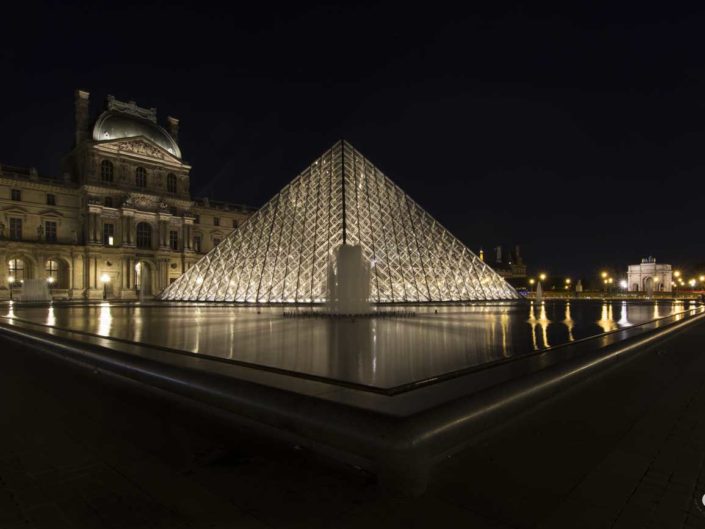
381	352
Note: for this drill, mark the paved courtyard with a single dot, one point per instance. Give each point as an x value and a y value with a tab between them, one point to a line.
626	449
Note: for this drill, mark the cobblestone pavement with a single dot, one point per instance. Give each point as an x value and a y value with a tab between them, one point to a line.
625	450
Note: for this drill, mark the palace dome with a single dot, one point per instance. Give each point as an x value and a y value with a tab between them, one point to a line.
113	125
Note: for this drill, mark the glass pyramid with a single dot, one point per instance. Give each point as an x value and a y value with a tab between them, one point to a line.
281	253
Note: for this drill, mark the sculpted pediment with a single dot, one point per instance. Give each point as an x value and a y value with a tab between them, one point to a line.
140	146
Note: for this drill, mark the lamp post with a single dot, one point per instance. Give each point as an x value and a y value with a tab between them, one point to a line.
11	283
531	283
105	279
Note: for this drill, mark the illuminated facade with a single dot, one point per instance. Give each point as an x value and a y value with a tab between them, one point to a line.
120	223
649	275
281	254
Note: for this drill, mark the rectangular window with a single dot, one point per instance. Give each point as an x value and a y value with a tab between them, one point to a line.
16	194
16	229
174	240
50	231
235	223
216	221
51	199
196	243
197	219
108	202
216	242
174	211
108	234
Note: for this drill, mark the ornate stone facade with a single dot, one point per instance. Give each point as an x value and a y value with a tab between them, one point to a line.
120	223
649	276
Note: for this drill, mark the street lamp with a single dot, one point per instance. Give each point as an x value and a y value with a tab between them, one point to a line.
50	280
542	277
105	279
531	282
604	275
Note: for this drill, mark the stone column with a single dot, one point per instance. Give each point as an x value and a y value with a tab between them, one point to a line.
3	271
133	231
91	228
187	235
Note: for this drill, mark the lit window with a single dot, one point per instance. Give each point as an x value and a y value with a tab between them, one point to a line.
50	231
16	194
144	235
16	229
106	171
174	240
171	183
108	234
141	177
51	199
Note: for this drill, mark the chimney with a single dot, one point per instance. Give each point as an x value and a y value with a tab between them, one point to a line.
82	115
173	125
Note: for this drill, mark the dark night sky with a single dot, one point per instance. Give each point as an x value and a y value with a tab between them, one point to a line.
577	134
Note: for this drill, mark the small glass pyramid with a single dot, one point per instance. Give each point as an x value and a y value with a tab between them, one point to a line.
281	253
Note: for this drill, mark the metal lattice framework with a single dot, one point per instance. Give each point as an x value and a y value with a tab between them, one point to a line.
281	253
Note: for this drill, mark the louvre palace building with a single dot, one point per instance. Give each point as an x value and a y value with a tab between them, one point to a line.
120	223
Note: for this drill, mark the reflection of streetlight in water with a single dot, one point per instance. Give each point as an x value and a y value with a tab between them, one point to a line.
542	321
568	321
606	320
105	320
623	319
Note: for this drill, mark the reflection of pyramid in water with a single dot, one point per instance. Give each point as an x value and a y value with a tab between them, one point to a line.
281	253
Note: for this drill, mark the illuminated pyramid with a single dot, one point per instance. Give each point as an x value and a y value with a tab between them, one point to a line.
281	253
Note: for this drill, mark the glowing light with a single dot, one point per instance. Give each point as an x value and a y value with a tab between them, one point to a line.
199	280
567	281
677	273
110	240
532	281
691	282
105	278
702	278
603	275
11	279
542	277
50	280
623	283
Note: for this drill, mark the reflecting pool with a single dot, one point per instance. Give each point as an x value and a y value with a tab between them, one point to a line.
381	352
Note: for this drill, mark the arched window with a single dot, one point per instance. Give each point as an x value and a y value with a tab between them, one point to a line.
16	269
171	183
144	235
141	177
106	171
52	269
